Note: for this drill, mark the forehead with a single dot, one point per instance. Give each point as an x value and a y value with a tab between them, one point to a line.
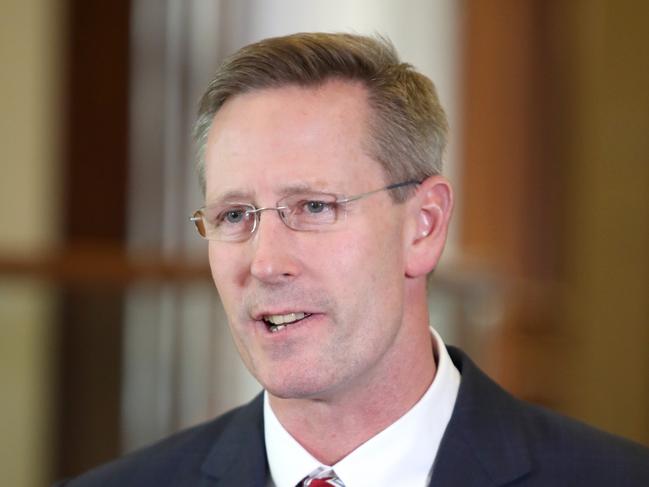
316	137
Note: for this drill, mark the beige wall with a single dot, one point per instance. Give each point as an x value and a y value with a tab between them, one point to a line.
30	56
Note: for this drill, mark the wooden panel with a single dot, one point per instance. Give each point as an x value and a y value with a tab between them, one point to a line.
511	219
90	356
607	235
557	116
95	158
97	120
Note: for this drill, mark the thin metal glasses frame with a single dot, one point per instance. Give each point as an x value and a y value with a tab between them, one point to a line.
197	217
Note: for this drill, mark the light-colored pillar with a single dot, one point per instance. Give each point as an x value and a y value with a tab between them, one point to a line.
30	81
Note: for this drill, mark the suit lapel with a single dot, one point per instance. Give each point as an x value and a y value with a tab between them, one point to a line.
483	445
238	458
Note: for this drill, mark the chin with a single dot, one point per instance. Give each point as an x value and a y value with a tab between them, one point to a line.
304	386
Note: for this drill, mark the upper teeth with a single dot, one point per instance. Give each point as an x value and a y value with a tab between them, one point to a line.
282	319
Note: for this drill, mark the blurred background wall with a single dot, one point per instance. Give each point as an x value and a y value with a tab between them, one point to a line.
111	334
32	57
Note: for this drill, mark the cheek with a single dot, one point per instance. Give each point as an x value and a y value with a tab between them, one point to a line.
372	267
381	251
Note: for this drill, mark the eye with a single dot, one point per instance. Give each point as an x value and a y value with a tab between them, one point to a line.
316	206
234	216
231	216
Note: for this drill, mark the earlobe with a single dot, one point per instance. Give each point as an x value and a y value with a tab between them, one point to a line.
433	205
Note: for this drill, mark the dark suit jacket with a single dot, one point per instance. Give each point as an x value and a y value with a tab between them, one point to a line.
492	439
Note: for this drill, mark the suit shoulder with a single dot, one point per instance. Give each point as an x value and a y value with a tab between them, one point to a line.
512	438
175	460
550	428
581	452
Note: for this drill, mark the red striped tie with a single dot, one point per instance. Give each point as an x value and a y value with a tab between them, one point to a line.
322	482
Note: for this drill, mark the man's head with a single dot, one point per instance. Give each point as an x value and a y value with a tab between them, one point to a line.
407	125
347	292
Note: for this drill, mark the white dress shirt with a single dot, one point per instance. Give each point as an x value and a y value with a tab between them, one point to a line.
402	454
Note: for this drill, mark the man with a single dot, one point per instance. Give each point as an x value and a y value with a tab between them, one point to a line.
320	160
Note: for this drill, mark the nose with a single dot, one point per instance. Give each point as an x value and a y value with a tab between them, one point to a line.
274	256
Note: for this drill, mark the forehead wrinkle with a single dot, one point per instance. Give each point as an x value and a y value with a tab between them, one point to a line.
301	187
248	196
234	195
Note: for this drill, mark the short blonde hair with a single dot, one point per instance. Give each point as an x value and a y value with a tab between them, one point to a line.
408	126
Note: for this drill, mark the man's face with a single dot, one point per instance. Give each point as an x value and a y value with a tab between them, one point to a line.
348	280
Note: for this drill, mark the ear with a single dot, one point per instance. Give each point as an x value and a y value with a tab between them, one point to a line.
430	210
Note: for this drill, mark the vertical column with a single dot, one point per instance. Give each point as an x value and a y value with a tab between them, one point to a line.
95	151
31	56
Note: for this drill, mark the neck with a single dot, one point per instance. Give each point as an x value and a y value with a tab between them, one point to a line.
365	408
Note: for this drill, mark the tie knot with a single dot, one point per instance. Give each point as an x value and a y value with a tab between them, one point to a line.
323	479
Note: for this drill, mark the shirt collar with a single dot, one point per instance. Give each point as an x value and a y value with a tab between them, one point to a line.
401	454
288	462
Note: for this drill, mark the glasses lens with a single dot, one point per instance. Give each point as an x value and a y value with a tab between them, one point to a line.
309	211
228	222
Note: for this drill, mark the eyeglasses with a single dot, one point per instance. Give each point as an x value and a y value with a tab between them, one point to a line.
304	212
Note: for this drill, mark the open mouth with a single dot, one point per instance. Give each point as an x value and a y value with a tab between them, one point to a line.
277	323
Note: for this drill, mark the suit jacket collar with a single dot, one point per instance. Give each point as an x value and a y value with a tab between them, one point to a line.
239	455
482	445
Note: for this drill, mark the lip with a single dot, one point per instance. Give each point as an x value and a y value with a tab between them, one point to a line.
305	322
259	315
